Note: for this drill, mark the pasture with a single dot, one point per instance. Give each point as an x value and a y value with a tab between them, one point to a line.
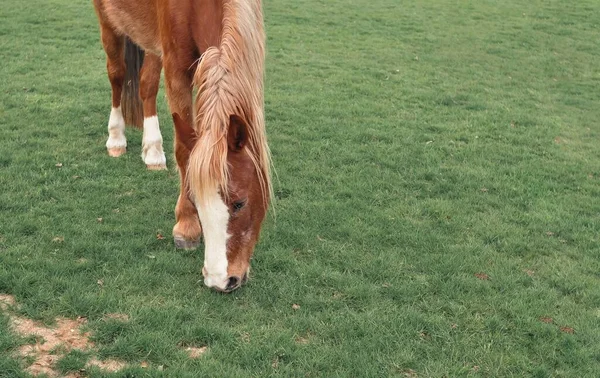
437	209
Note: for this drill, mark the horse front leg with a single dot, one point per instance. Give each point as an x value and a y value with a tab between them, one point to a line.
187	230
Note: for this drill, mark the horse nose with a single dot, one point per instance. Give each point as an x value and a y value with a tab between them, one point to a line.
232	283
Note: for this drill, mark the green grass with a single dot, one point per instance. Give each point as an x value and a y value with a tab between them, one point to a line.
416	145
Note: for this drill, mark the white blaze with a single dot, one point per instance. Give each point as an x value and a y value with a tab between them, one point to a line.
116	130
214	216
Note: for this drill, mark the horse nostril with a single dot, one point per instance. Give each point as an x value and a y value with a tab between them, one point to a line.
232	283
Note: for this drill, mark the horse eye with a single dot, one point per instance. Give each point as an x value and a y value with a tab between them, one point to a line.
237	205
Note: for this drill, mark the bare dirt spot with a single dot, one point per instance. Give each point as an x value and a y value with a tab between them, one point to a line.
194	352
108	365
6	301
52	342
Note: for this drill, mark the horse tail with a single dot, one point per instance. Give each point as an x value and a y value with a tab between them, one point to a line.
131	102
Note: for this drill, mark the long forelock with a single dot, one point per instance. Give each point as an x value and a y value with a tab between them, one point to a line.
229	79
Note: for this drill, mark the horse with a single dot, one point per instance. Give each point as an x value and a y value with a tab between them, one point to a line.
217	49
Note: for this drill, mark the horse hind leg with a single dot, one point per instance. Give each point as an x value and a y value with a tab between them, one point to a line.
115	66
152	141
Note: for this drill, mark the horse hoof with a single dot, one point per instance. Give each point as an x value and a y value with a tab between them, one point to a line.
116	151
156	167
181	243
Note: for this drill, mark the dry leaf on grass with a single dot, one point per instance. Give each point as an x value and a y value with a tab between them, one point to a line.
295	307
546	319
482	276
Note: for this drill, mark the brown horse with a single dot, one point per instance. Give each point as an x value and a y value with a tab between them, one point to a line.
217	47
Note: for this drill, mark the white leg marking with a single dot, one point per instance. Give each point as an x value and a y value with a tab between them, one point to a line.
152	149
116	130
214	217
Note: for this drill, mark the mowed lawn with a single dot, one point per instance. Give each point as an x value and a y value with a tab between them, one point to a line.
437	208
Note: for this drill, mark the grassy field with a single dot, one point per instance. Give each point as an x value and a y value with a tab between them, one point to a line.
437	211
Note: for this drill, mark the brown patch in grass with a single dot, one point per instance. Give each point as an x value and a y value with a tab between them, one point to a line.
52	342
245	336
482	276
7	301
115	316
275	363
301	340
529	272
108	365
567	330
194	352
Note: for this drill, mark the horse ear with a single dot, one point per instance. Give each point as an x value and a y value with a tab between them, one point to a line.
184	132
237	137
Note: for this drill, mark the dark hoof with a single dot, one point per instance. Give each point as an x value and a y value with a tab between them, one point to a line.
181	243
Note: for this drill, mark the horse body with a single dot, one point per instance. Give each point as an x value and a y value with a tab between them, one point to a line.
220	145
132	19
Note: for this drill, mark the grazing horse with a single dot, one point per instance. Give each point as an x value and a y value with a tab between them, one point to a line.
218	48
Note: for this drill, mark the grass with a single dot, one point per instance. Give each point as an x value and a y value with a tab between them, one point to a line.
417	144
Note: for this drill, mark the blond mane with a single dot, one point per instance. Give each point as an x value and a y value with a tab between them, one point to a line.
229	79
